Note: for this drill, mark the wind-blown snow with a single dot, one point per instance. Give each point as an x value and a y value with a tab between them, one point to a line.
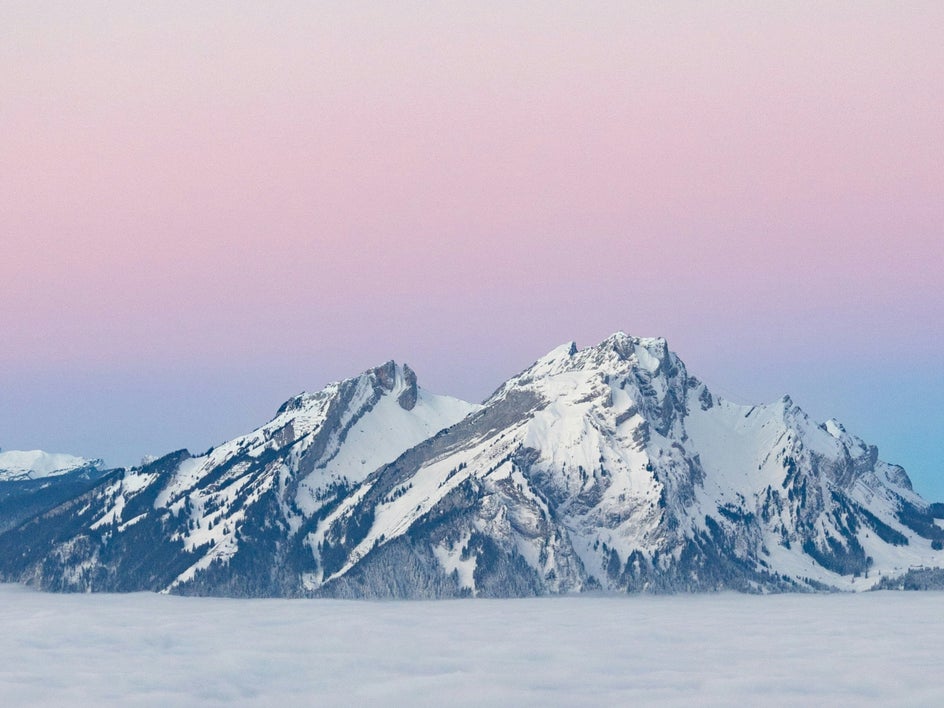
142	649
33	464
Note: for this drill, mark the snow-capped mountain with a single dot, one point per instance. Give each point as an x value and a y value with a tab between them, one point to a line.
19	465
227	520
607	468
611	467
33	482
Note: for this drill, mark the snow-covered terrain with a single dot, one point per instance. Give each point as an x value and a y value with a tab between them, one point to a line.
611	467
18	465
608	468
177	522
780	650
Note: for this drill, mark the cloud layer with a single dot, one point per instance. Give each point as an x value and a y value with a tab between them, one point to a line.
712	650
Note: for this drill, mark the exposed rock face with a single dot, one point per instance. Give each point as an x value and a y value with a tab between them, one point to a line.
386	375
606	468
407	399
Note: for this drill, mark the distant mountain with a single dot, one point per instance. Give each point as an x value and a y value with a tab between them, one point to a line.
19	465
608	468
33	481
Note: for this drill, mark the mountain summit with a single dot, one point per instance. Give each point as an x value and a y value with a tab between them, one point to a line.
604	468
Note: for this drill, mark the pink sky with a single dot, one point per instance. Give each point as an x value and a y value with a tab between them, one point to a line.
321	187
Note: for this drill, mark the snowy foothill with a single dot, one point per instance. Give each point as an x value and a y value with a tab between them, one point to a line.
148	649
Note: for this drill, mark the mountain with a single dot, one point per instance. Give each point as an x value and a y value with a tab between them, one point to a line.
229	521
611	468
608	468
33	481
19	465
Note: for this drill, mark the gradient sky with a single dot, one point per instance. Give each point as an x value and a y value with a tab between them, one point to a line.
206	208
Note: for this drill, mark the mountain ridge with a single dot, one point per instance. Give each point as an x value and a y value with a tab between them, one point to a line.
20	465
603	468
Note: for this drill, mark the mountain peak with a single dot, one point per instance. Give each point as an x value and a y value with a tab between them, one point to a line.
643	348
386	378
617	353
397	379
386	374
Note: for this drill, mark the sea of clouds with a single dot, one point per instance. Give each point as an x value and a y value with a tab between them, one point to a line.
144	649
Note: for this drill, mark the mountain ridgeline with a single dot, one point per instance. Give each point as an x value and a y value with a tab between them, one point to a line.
608	469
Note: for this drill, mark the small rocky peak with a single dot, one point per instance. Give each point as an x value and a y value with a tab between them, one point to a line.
650	354
621	343
296	403
168	463
386	375
834	428
407	399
